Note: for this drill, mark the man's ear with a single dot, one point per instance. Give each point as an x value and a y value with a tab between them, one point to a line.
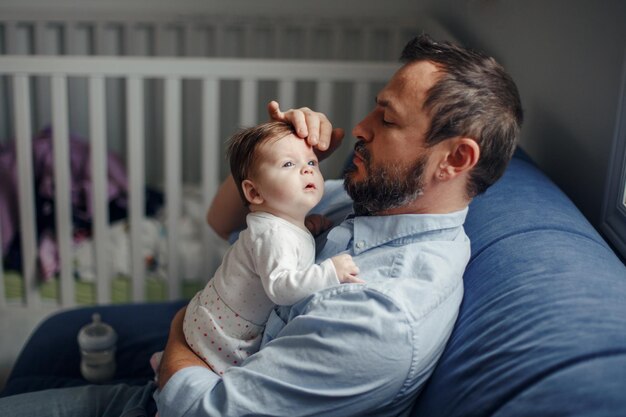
251	192
462	156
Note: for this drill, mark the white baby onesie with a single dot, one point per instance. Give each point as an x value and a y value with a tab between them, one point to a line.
271	263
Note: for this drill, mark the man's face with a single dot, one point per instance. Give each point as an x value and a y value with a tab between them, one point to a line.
390	166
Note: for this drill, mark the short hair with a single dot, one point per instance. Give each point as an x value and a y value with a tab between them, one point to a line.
243	146
473	97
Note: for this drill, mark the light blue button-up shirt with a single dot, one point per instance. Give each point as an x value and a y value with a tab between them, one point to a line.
354	349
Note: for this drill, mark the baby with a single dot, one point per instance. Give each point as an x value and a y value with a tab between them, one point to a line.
272	262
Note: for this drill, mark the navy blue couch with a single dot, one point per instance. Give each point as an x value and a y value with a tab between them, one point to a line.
542	328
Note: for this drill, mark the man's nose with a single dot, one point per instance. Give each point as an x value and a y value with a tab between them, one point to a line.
361	130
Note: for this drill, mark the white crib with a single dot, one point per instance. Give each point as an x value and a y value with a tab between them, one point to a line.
192	80
204	77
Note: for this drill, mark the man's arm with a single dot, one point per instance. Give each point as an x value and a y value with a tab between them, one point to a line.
227	212
348	351
177	354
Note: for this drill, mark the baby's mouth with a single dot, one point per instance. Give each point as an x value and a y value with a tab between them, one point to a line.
310	186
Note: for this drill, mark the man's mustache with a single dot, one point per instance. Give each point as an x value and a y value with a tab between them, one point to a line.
359	148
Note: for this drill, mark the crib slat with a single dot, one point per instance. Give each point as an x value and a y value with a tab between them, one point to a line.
248	102
307	37
42	84
10	34
21	97
287	94
198	68
211	158
219	38
40	39
190	40
97	129
335	37
359	101
366	42
69	38
136	180
324	95
130	39
179	69
62	196
5	120
98	38
160	40
3	301
173	180
248	44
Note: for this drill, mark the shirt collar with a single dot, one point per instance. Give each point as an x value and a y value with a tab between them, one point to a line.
373	231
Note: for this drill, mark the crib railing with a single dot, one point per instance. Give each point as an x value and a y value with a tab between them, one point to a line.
19	73
259	35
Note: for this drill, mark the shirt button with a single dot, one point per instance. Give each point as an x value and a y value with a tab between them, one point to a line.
360	244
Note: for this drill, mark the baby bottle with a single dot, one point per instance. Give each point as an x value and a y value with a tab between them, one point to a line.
97	350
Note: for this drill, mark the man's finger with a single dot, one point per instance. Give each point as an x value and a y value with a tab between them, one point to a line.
299	122
313	126
326	129
273	108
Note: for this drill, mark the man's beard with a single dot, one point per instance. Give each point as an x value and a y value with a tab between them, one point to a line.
383	188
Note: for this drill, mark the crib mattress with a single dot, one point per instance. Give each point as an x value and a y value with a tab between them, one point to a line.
85	292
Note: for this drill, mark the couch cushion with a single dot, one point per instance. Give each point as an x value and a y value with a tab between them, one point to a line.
542	325
51	358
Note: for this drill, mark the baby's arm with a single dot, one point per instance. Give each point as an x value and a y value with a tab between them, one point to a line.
286	281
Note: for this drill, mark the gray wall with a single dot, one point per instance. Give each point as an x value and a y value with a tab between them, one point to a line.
567	58
305	9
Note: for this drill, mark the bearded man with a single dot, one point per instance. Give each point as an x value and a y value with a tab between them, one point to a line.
441	132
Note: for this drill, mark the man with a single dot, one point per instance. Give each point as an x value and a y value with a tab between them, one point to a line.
442	131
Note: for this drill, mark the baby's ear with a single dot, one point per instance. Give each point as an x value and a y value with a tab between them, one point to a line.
251	192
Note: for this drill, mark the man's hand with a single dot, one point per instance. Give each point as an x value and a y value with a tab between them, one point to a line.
310	125
346	269
177	354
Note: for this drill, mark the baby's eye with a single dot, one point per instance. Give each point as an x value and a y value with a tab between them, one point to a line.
312	162
287	164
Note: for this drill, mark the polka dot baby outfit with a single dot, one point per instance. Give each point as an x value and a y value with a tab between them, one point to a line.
271	263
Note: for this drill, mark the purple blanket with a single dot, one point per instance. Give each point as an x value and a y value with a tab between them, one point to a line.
43	171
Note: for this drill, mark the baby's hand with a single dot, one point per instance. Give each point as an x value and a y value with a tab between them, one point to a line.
346	269
316	223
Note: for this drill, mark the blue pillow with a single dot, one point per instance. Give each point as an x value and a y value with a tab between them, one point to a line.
542	327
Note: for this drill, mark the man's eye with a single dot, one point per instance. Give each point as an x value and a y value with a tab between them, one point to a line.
287	164
387	123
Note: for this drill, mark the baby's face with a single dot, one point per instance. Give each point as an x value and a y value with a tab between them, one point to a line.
288	178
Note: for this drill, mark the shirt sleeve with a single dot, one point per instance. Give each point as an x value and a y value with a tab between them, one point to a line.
284	279
357	360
